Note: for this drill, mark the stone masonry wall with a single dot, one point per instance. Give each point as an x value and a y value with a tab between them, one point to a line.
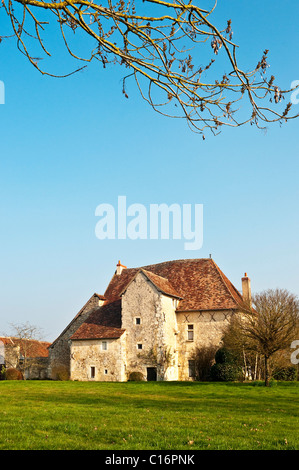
107	364
207	331
170	339
155	331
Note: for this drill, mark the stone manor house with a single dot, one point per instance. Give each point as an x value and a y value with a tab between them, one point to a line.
149	320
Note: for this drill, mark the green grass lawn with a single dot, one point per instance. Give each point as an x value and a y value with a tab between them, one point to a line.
148	415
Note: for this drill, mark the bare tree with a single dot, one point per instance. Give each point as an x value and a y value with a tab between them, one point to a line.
270	327
169	48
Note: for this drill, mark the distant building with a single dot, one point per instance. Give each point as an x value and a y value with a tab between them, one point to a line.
28	355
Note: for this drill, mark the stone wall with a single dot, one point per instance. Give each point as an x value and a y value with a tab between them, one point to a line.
59	351
155	334
207	331
37	368
12	354
170	338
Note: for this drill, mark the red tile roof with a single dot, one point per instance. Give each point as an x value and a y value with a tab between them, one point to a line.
30	347
7	340
101	297
199	283
162	284
104	322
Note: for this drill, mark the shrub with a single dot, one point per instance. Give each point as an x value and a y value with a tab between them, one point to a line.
204	359
225	372
272	382
136	377
13	374
225	369
258	383
286	373
225	356
261	383
2	372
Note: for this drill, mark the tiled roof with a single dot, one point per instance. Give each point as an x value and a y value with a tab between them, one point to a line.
162	284
104	322
7	340
198	283
101	297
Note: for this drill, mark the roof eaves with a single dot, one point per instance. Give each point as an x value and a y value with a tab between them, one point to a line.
169	294
240	304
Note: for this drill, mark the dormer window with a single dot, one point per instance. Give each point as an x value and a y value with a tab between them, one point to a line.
190	332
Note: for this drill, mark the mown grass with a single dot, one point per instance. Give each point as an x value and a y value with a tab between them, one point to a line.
150	415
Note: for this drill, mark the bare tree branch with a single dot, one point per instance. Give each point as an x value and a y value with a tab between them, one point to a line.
270	327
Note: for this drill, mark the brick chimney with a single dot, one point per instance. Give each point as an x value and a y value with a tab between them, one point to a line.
119	268
246	290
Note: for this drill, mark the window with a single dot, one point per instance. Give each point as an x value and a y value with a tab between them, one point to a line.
191	368
139	346
190	333
104	345
92	372
137	321
106	372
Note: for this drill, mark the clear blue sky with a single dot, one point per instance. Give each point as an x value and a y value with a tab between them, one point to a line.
68	145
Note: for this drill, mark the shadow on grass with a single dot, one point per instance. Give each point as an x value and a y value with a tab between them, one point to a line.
173	396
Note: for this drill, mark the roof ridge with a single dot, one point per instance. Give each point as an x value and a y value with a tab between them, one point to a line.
72	321
223	277
163	291
154	274
189	260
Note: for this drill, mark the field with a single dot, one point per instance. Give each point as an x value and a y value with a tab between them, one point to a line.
148	415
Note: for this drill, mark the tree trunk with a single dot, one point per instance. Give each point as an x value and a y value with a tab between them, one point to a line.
255	368
245	365
267	372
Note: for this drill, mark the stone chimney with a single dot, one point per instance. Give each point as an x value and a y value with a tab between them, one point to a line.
119	268
246	290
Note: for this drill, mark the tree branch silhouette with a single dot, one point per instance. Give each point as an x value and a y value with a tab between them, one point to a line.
162	52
